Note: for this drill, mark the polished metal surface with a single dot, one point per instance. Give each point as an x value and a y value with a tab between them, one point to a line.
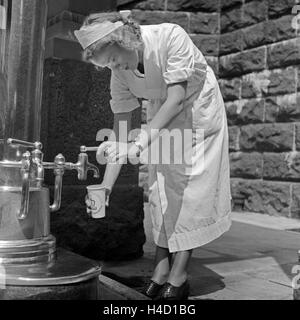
66	269
36	251
21	74
37	222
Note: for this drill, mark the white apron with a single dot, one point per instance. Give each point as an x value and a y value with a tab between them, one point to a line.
190	203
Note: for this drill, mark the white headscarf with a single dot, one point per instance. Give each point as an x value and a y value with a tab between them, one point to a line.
88	35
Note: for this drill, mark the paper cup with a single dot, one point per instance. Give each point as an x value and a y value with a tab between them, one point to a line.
95	201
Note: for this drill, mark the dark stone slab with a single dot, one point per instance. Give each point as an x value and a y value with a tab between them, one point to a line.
118	236
282	166
231	42
268	197
157	17
284	54
282	81
255	11
207	23
230	89
267	137
233	132
193	5
280	29
245	111
246	165
297	136
280	7
255	84
232	19
295	208
230	3
149	5
207	44
282	109
240	63
255	36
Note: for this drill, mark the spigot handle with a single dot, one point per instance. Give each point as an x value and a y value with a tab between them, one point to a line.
86	149
23	212
17	143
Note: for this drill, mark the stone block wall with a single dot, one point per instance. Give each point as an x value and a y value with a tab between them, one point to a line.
255	52
258	69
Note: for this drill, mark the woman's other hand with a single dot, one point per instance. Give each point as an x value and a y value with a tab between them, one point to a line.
112	151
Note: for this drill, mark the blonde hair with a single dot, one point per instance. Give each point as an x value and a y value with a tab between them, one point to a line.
127	36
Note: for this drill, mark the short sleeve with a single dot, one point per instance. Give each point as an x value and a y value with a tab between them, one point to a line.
181	56
122	100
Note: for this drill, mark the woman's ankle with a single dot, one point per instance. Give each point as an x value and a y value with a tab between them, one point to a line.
160	278
177	280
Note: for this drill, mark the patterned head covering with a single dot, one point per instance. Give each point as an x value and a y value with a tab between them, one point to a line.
88	35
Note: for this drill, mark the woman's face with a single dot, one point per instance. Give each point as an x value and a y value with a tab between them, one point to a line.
116	57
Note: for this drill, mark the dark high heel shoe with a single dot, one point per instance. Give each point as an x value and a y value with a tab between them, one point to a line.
152	289
170	292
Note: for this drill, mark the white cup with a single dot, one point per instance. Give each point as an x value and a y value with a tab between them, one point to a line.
95	201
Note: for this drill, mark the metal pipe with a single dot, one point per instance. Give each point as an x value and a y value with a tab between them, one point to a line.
57	193
26	163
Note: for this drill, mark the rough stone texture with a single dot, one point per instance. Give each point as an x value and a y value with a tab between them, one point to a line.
118	236
279	29
267	137
193	5
282	166
207	44
272	198
255	84
232	19
245	111
230	3
254	36
75	107
246	165
157	17
282	81
275	82
233	132
207	23
298	79
150	5
295	206
297	126
230	89
280	7
255	11
244	62
231	42
284	54
283	108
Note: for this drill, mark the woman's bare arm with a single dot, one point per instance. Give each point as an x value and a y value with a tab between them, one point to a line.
113	169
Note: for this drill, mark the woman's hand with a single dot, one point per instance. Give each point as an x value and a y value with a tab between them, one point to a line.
115	150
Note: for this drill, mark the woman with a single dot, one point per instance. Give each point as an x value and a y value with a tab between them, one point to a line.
189	200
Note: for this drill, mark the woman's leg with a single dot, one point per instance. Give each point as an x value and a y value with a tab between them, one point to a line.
162	264
178	273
